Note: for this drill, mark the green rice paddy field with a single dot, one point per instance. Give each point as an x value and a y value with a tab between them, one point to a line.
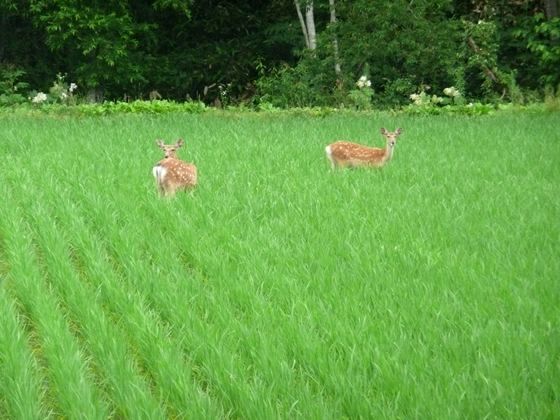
280	288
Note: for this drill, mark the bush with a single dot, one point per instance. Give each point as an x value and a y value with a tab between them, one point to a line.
310	83
362	95
12	89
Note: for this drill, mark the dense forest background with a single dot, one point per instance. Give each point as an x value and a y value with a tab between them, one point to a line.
281	52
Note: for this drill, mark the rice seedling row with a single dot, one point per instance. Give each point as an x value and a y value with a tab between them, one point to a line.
280	288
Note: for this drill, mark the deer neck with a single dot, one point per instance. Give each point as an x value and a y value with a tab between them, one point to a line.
389	151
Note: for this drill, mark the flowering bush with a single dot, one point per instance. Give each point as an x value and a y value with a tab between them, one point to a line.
423	99
60	92
453	103
361	97
225	95
39	98
363	82
454	95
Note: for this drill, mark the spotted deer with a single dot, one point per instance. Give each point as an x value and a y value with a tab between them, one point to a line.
171	173
346	154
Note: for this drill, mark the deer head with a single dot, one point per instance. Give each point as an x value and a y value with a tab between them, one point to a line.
169	150
391	136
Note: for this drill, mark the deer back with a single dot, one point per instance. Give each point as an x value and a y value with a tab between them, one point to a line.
178	173
345	153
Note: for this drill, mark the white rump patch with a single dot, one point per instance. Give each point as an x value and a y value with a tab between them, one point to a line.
159	173
328	151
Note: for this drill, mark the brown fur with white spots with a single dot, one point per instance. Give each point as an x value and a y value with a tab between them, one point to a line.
346	154
171	173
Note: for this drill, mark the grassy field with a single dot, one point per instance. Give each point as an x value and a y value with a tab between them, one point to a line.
279	288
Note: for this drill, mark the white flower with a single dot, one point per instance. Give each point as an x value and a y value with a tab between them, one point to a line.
63	96
436	99
363	82
39	98
417	99
73	87
451	92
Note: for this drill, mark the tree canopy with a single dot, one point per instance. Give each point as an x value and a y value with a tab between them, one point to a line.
225	51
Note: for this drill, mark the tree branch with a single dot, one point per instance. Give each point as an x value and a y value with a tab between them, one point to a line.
487	70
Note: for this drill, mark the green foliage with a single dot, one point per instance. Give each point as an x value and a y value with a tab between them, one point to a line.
62	92
135	107
182	6
401	43
361	96
481	52
552	99
12	88
307	84
452	102
398	90
103	35
543	39
491	50
475	108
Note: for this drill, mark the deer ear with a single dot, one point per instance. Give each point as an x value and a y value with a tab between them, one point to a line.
179	143
159	143
383	131
398	131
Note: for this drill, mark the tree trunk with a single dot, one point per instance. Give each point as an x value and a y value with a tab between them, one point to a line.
3	30
95	95
551	8
307	24
310	21
302	23
337	68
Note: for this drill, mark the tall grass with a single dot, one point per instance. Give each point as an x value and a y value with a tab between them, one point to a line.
280	288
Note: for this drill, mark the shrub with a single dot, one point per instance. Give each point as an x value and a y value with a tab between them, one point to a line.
362	95
12	88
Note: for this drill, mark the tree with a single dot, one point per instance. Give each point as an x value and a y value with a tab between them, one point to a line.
400	45
100	41
187	48
551	8
307	24
337	68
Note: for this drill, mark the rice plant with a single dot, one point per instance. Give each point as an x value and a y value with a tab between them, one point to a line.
279	287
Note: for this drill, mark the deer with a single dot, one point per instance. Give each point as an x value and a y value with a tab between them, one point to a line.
171	173
346	154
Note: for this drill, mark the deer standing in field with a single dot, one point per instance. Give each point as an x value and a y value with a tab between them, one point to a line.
346	154
171	173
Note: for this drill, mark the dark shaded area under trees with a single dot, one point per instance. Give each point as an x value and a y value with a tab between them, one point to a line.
250	51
